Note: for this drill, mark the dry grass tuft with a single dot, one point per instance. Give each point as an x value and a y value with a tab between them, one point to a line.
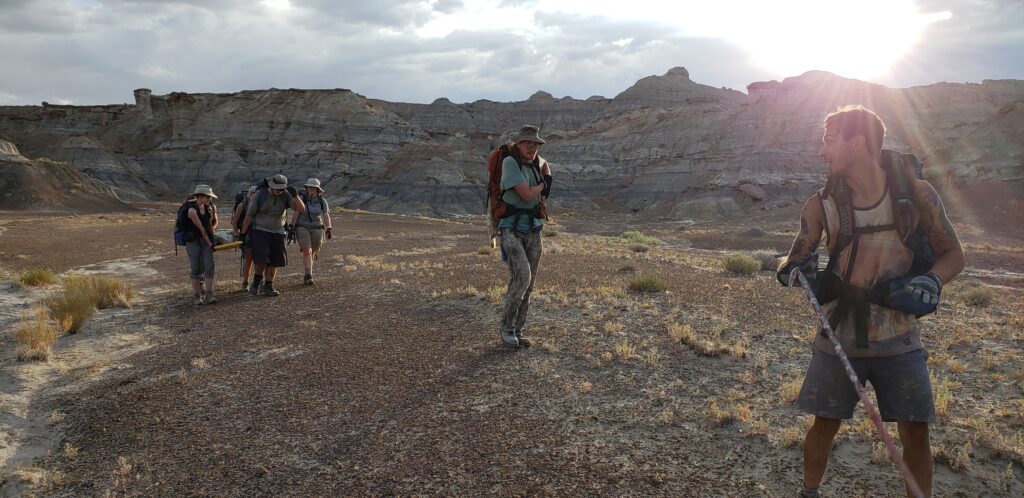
647	283
35	277
978	297
469	291
790	391
549	232
625	350
485	250
639	248
495	294
711	347
81	296
740	264
627	268
35	335
766	257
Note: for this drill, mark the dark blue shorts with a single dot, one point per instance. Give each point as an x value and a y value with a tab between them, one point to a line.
268	248
901	383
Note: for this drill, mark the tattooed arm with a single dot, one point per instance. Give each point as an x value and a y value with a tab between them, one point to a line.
812	223
948	252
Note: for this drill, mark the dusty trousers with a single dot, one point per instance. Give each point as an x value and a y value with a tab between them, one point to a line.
523	251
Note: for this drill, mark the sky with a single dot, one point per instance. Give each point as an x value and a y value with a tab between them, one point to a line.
99	51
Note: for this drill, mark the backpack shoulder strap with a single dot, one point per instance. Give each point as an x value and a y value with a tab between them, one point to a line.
901	170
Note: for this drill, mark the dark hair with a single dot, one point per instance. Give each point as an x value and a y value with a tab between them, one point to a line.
852	120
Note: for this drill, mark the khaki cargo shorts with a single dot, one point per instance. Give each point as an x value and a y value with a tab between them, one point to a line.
309	238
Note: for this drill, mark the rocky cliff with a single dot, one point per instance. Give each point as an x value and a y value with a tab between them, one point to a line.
44	184
666	146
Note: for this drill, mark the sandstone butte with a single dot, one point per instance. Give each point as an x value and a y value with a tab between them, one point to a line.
665	147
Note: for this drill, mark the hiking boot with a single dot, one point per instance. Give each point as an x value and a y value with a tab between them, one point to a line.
268	289
210	299
806	493
245	285
508	338
254	289
197	299
523	341
308	279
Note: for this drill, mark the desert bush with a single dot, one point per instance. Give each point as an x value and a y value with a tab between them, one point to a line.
635	237
35	277
639	248
766	257
549	232
82	295
647	283
35	335
740	264
626	350
979	297
484	250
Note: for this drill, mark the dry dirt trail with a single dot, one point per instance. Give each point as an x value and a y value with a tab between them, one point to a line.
386	377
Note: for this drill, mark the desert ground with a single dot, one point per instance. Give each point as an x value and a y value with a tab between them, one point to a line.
387	377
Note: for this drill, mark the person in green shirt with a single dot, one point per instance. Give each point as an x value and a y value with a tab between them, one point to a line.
525	180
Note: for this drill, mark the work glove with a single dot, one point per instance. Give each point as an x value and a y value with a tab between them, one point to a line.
919	295
548	180
292	192
328	233
809	267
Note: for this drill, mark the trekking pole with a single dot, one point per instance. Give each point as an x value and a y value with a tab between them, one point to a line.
861	393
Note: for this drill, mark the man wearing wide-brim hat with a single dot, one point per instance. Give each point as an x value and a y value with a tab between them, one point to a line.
265	223
525	182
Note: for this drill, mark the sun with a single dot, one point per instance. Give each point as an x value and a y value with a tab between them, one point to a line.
858	40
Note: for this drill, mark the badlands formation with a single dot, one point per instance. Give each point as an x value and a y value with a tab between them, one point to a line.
665	147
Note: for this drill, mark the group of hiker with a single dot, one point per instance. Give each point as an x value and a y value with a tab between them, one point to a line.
260	225
891	249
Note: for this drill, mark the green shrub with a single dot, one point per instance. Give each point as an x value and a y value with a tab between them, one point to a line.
767	259
979	297
741	264
647	283
634	237
35	277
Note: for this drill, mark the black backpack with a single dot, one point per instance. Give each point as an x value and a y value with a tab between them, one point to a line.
242	197
183	233
902	171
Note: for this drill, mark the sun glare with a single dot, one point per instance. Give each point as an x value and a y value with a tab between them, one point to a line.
860	39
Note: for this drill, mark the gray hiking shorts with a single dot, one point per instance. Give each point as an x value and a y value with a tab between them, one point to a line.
901	384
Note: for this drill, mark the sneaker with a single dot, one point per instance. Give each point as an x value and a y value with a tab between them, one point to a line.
508	338
254	289
197	299
523	341
268	289
307	280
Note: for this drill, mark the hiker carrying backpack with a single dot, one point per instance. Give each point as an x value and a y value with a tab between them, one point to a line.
518	182
312	225
496	204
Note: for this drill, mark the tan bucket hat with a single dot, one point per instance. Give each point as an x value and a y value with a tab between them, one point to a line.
204	190
528	132
313	182
278	182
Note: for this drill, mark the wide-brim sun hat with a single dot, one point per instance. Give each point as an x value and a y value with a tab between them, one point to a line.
313	182
204	190
530	133
278	182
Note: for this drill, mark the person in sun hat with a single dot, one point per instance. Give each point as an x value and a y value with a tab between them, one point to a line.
525	181
203	216
312	225
266	217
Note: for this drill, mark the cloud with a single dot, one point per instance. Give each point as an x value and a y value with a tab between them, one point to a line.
98	51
